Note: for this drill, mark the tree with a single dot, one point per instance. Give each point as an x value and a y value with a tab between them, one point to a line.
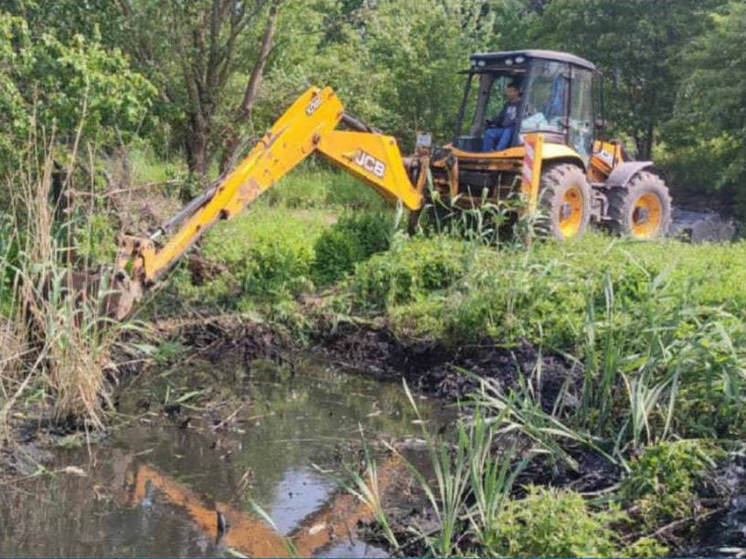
637	44
195	49
67	87
395	64
708	131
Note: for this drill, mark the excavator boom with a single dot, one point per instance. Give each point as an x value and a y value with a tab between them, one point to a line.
308	126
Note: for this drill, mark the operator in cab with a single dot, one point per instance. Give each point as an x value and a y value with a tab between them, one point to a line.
500	129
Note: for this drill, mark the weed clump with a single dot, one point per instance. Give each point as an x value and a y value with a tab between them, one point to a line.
57	343
350	240
421	268
664	480
551	522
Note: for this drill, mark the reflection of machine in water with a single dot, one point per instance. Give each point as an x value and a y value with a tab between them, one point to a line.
249	534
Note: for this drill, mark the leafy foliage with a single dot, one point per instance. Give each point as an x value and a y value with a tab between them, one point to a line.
663	481
637	43
707	132
261	256
65	86
420	269
352	239
554	523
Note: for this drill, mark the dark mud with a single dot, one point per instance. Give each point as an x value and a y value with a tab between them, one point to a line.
724	532
432	367
429	366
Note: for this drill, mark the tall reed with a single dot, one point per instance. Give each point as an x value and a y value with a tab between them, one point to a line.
62	339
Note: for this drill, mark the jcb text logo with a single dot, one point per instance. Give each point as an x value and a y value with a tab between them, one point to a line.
370	163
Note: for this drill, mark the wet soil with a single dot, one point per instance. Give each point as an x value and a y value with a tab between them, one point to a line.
432	367
724	532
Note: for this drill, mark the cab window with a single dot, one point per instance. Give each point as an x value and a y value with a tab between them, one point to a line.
546	97
581	113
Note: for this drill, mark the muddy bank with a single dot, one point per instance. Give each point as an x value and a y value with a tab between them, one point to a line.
429	366
243	411
433	367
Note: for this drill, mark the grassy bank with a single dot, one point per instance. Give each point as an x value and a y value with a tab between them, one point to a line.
652	334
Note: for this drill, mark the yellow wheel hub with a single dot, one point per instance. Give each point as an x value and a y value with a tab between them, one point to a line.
571	212
646	216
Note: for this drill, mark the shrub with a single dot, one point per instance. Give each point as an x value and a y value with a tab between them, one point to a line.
421	267
552	522
275	268
265	253
663	480
352	239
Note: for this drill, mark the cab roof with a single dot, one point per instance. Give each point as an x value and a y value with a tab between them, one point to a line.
499	58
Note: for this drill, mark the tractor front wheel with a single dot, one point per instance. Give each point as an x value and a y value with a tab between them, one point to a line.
642	209
564	202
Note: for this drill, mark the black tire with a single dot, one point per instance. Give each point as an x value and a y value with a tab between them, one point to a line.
642	209
564	187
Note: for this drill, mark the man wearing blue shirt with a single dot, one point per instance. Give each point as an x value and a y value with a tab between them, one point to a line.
500	129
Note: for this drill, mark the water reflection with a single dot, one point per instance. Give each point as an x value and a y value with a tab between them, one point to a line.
155	490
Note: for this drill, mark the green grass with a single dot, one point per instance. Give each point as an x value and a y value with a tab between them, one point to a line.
149	169
542	294
315	184
267	255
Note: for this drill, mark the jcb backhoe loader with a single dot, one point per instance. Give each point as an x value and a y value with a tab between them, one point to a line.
556	158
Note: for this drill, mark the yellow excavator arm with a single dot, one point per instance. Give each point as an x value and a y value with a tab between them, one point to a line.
308	126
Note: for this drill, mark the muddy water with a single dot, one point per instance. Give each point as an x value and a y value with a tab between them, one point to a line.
166	484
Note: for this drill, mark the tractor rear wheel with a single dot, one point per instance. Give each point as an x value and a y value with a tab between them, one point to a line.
642	209
564	202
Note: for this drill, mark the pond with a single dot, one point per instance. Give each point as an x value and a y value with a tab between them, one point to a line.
185	484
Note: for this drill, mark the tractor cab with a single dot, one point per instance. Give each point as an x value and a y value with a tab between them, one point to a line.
560	97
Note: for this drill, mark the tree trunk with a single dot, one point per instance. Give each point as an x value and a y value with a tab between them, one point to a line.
232	139
197	143
644	143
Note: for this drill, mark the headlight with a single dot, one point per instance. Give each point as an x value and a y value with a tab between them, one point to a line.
520	59
509	62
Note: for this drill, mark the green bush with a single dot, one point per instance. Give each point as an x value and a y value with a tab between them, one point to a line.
275	268
420	268
552	522
663	481
352	239
260	256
